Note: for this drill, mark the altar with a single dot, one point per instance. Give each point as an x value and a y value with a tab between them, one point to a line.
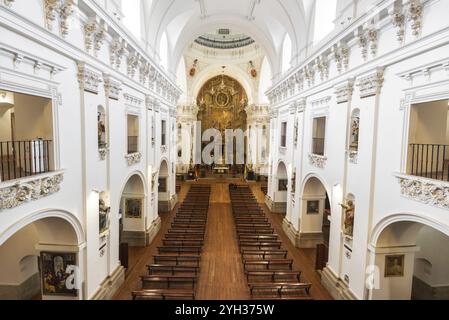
221	170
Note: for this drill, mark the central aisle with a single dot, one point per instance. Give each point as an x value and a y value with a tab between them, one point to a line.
222	276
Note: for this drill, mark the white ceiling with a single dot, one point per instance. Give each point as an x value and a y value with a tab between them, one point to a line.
266	21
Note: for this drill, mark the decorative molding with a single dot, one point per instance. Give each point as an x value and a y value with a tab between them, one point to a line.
112	88
133	63
132	100
322	102
117	51
66	10
133	158
8	3
50	9
415	13
29	190
322	64
432	192
344	92
398	21
353	156
341	56
371	84
88	80
103	152
317	160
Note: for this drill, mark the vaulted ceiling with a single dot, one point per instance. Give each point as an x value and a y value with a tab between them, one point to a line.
266	21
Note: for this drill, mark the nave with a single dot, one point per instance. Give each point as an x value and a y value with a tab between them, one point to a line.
221	275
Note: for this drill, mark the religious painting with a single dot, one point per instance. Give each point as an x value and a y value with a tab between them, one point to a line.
283	185
133	208
313	207
394	266
222	99
58	274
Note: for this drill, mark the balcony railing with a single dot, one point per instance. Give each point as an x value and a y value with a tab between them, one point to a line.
19	159
429	161
318	146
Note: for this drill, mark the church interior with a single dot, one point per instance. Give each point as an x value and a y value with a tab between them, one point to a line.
224	150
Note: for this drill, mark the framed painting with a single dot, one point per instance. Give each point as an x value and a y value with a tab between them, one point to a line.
394	266
58	274
313	207
133	208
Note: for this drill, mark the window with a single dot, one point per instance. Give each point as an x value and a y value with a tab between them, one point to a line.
286	53
26	135
163	133
265	81
163	51
325	14
284	134
318	136
131	11
428	154
133	134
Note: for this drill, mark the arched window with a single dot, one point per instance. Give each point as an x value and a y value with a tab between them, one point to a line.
265	80
325	13
181	77
286	53
163	51
132	19
101	126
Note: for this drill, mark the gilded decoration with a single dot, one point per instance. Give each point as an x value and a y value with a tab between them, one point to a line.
222	102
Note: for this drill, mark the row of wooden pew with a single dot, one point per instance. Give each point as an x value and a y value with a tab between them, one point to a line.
174	272
269	271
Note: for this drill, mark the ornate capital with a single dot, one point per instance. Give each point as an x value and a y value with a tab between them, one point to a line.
88	79
26	191
415	13
317	160
117	51
344	92
372	84
133	158
103	152
8	3
398	20
65	12
112	88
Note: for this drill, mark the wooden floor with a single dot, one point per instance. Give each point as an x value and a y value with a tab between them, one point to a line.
222	276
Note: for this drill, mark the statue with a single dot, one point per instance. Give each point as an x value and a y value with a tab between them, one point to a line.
103	216
349	218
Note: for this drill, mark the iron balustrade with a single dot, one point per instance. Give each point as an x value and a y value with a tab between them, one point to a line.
318	146
19	159
429	161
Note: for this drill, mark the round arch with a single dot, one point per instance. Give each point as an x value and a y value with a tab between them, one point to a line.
318	177
392	219
66	216
127	179
231	71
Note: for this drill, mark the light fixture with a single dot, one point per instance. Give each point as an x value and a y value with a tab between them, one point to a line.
6	99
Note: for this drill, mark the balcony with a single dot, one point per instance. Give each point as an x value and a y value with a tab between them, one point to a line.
429	161
20	159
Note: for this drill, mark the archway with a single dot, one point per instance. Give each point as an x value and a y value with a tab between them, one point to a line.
41	260
132	218
222	101
280	189
314	223
411	259
164	205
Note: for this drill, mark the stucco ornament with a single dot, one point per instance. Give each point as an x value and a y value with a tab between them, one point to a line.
426	191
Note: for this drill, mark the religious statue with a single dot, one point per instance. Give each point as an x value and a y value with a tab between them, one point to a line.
101	131
355	133
103	216
349	218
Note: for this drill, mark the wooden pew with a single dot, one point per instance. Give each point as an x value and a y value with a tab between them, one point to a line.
264	255
182	242
180	250
158	294
160	269
189	261
273	276
249	245
282	291
184	236
167	282
269	264
269	237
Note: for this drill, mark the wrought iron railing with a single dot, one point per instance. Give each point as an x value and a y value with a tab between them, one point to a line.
19	159
429	161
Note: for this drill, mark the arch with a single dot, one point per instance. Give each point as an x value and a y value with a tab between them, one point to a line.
322	181
287	53
163	51
66	216
281	170
164	168
126	180
389	220
231	71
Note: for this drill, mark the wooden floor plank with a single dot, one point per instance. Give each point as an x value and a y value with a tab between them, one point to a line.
222	275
